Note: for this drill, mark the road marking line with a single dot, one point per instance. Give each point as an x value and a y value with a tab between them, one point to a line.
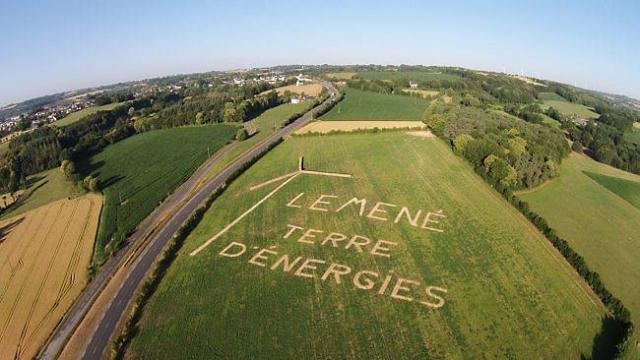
230	225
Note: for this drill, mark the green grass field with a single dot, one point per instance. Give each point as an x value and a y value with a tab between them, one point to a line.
633	135
368	105
79	115
407	75
550	96
137	173
43	188
597	222
550	121
509	294
626	189
565	107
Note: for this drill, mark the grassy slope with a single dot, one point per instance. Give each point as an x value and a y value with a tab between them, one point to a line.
406	75
266	123
508	293
550	96
79	115
599	225
44	188
143	169
626	189
368	105
566	107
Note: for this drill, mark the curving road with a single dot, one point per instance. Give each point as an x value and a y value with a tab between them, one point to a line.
153	235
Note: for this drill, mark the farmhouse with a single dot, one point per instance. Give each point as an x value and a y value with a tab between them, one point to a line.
379	211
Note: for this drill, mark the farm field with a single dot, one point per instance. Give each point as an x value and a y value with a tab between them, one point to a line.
308	89
341	75
626	189
597	221
266	124
368	105
423	93
137	173
461	272
43	188
44	255
81	114
530	81
566	107
406	75
324	127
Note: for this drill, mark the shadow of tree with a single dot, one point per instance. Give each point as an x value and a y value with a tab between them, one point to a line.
7	228
606	341
111	181
33	179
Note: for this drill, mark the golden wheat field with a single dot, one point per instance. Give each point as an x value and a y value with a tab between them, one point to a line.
44	255
325	127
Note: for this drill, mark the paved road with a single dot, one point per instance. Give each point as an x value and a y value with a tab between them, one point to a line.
186	203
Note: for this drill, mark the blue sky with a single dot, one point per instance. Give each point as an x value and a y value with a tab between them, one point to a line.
48	46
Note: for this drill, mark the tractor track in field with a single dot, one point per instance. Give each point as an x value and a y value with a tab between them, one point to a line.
23	286
70	273
36	299
20	262
29	221
14	268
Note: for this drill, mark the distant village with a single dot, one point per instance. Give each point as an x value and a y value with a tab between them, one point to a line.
30	120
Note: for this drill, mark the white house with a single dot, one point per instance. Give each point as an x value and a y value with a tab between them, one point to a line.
295	100
413	84
300	80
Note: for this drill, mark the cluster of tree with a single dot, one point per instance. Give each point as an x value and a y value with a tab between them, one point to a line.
554	113
470	88
617	116
112	97
606	144
514	153
529	113
249	108
205	105
508	90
